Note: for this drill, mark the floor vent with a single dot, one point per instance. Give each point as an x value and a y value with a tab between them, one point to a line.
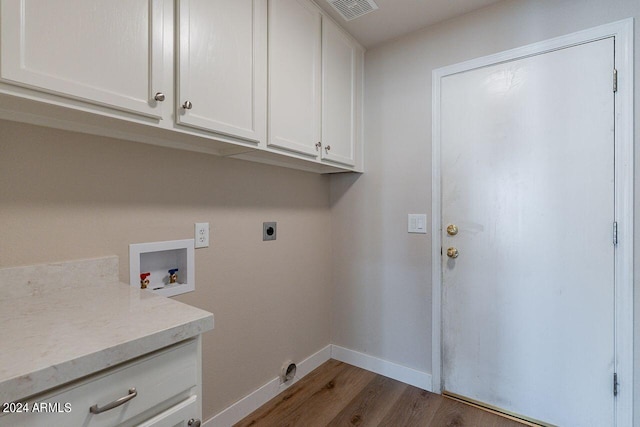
352	9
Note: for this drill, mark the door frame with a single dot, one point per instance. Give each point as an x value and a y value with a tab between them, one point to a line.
622	31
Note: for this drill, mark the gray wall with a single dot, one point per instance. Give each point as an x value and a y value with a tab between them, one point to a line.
66	196
382	275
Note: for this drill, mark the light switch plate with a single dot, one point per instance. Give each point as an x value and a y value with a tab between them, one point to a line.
417	223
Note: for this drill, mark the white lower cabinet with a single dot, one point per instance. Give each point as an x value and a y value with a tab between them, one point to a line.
161	389
184	414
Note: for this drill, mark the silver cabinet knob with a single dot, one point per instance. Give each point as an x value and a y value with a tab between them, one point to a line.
327	148
187	105
193	423
318	145
159	97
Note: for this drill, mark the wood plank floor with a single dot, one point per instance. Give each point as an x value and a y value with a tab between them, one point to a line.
338	394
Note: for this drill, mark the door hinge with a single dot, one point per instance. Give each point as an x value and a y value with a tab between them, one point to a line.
615	384
615	233
615	80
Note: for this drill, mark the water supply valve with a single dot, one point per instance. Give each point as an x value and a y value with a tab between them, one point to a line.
144	280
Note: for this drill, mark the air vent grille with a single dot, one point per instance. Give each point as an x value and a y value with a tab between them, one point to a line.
352	9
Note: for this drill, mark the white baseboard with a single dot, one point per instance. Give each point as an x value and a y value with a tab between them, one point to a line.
383	367
253	401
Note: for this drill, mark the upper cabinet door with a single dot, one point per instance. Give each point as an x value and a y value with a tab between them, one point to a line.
341	62
103	52
294	75
222	64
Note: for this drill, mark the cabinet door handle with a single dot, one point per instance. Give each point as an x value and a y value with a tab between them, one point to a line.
327	148
193	423
187	105
318	145
95	409
159	97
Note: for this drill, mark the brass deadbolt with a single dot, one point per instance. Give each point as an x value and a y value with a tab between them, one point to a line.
452	230
452	253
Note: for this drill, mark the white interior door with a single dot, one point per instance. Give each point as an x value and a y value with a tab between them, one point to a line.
528	179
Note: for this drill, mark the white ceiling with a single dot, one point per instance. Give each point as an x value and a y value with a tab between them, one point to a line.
395	18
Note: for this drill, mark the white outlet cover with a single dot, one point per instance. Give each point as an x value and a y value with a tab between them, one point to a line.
201	235
417	223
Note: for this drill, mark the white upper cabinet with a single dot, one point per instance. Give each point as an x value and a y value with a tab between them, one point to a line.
273	81
294	76
222	67
341	67
104	52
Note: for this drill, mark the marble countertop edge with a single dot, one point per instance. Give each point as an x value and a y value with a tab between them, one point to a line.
64	321
29	385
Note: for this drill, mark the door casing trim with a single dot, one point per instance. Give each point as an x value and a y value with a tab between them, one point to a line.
622	31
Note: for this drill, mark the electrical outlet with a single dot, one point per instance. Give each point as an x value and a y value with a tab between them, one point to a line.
269	231
202	235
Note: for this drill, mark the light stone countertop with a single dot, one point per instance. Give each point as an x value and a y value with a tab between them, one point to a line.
53	335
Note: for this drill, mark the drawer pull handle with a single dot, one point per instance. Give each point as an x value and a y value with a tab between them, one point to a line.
96	410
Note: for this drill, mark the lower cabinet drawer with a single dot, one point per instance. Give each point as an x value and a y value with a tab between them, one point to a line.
161	378
177	416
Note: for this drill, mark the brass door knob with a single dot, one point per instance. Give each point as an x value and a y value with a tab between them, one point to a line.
452	230
452	253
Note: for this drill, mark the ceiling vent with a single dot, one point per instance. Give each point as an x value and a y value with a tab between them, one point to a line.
352	9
